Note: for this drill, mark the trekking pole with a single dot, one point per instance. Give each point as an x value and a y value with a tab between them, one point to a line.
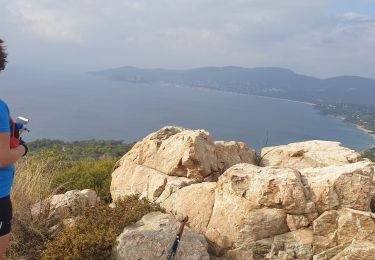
173	251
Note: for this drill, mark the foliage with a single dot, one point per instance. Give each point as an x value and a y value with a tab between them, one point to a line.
78	150
94	234
84	164
95	175
52	167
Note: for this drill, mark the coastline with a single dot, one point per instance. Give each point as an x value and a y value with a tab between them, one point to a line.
368	132
238	93
341	118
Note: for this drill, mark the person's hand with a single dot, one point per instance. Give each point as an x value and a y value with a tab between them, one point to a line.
23	143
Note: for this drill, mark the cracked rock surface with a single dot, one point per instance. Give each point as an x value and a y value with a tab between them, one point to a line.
292	206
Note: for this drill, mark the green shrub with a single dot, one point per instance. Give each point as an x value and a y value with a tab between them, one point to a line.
82	150
81	175
95	233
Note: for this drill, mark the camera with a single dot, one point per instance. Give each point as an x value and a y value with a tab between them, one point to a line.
21	122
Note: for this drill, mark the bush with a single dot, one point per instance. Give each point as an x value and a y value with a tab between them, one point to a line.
94	234
81	175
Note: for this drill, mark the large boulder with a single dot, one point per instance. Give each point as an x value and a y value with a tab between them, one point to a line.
337	228
195	201
67	205
134	179
152	237
335	187
177	151
308	154
251	203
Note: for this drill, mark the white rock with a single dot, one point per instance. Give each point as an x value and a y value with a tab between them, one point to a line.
152	237
308	154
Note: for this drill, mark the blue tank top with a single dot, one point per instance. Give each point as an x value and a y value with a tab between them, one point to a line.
6	173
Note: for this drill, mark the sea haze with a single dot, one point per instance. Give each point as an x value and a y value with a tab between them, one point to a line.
78	107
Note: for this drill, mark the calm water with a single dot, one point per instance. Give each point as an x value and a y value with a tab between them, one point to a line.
87	107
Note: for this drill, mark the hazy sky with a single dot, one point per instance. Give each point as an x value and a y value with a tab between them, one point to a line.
315	37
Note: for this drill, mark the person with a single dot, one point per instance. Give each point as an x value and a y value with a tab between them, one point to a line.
8	156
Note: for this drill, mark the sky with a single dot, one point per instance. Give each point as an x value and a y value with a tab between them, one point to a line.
322	38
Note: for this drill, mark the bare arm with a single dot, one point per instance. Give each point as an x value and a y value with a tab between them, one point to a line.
9	156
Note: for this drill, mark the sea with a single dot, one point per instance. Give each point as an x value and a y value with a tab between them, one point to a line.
81	106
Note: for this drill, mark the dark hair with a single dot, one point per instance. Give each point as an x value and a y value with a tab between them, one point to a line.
3	55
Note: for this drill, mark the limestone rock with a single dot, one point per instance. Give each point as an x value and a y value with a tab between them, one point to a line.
238	254
133	179
331	252
265	187
326	223
343	186
354	226
293	245
308	154
357	250
252	203
195	201
231	153
296	222
325	231
187	153
152	237
66	205
334	228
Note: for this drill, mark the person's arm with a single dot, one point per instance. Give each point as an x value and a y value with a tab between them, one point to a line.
9	156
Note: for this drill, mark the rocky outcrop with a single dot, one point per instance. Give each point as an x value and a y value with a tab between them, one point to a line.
152	237
308	154
293	206
247	195
348	185
199	209
181	152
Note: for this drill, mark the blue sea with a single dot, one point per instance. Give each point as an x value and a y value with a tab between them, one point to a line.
83	106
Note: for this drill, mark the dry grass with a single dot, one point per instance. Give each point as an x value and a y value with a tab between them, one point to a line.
32	184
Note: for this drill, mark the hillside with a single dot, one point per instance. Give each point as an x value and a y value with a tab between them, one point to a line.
271	82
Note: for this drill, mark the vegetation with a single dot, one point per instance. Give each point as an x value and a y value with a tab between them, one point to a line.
94	234
83	164
95	175
53	167
359	115
79	150
32	183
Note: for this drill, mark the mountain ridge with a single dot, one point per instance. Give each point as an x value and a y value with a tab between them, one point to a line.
266	81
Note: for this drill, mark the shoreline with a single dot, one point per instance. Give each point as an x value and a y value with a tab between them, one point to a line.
368	132
239	93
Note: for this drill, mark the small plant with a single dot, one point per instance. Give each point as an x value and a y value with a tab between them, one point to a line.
94	234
